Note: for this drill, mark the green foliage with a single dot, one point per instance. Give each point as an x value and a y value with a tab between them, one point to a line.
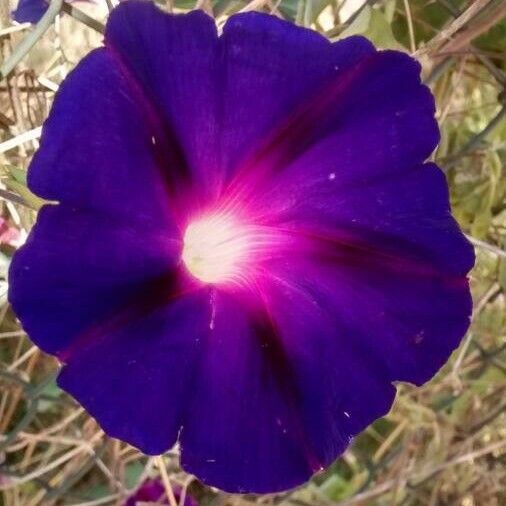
374	24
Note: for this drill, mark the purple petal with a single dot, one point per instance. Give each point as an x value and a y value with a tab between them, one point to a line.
353	171
243	431
80	270
173	61
30	11
319	144
149	491
271	67
137	378
405	214
186	77
154	491
97	149
404	316
112	234
369	122
315	366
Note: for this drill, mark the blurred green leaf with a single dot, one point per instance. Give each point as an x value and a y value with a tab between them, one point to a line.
494	40
51	390
482	222
337	487
97	492
133	473
18	174
429	16
30	198
373	24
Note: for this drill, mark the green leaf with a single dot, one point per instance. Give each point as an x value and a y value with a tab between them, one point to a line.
30	198
18	174
336	487
373	24
51	390
133	473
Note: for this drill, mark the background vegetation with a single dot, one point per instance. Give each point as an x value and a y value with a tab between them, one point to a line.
442	444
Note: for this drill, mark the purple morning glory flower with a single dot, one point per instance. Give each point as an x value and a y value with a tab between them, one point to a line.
153	491
30	11
248	248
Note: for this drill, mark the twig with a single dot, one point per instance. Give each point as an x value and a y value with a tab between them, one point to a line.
461	459
411	29
446	34
470	336
14	29
356	14
492	68
439	69
386	486
13	197
469	34
112	499
166	482
485	245
72	479
85	447
20	139
474	143
489	418
254	5
82	17
5	121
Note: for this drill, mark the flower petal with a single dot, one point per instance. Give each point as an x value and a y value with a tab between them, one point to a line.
405	214
215	95
174	60
97	148
307	371
30	11
411	315
271	66
135	381
360	177
79	270
272	419
372	120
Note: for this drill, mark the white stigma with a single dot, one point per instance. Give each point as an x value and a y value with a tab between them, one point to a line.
217	248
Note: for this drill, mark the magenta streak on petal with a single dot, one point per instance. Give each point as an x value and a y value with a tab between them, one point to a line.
279	363
152	295
274	370
168	153
293	136
356	255
351	247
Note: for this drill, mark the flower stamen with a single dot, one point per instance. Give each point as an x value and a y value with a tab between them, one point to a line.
220	249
